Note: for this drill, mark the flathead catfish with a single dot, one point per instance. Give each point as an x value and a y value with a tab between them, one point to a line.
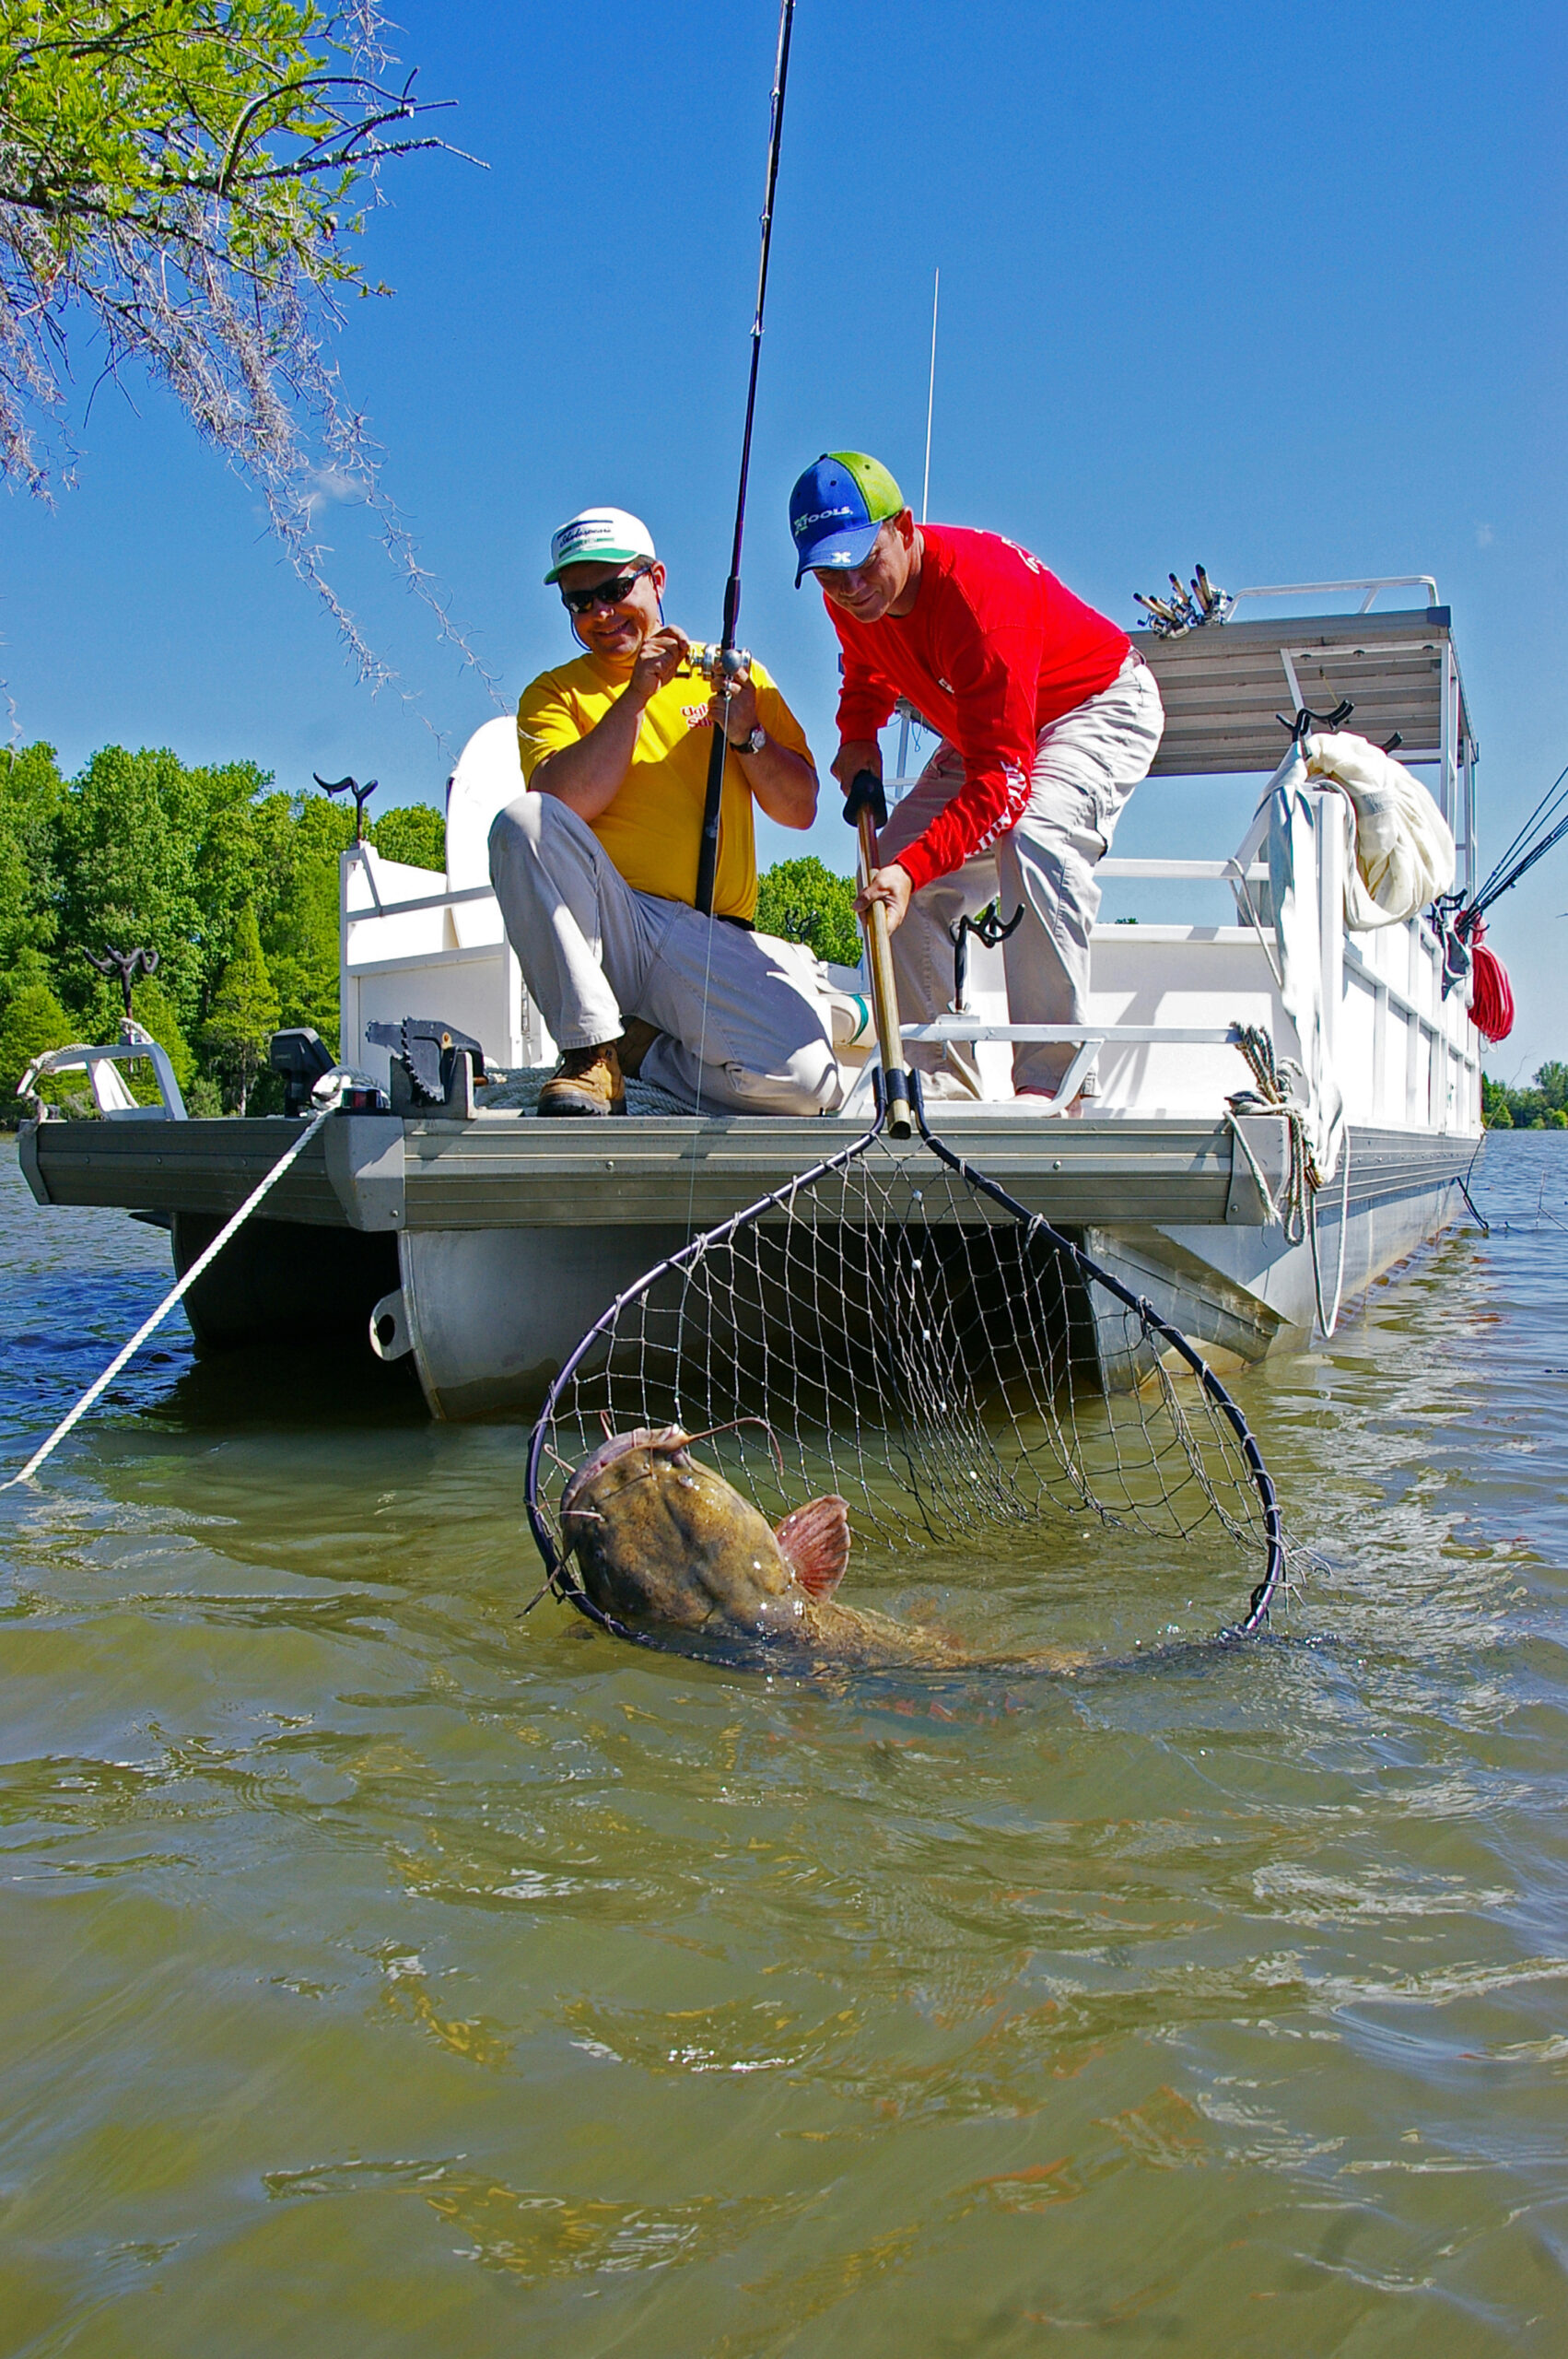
669	1549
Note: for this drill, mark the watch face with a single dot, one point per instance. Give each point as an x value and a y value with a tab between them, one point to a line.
758	739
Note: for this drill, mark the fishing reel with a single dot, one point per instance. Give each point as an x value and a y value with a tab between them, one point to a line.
714	663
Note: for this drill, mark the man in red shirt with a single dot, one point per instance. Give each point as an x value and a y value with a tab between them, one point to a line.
1048	720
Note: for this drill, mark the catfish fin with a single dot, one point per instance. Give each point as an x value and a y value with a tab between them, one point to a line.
814	1543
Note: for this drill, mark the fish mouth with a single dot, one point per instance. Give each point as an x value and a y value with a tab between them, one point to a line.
670	1440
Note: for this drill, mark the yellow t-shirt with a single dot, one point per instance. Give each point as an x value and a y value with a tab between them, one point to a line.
653	829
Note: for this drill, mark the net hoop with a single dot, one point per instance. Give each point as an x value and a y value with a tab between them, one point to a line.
562	1580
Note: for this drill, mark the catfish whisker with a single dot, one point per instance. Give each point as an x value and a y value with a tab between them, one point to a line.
734	1425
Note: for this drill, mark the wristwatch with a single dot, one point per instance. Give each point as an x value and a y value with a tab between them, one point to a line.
754	743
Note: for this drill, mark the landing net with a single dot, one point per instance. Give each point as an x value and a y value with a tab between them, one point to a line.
895	1327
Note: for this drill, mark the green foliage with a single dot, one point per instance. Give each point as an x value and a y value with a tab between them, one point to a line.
155	1013
149	851
415	833
32	791
244	1013
165	168
31	1019
182	182
804	900
298	841
1544	1107
209	866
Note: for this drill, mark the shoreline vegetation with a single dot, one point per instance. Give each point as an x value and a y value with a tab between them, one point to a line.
1542	1108
234	883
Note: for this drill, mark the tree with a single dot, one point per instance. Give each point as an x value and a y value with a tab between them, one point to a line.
1542	1108
804	900
300	839
155	1012
188	176
31	793
149	851
414	832
244	1013
31	1021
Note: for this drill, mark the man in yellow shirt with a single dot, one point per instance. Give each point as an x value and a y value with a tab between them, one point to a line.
595	866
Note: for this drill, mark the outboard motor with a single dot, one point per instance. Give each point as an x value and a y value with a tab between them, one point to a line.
300	1057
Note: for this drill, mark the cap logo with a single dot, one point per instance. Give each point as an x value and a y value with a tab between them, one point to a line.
804	524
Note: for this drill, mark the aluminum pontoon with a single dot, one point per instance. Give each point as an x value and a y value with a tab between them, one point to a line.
485	1242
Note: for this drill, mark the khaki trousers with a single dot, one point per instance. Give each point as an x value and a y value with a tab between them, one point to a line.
738	1027
1086	764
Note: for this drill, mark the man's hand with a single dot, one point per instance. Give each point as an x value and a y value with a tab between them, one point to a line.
781	783
587	777
736	713
658	659
892	886
857	754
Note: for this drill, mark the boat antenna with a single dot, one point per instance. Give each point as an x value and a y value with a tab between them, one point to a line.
730	661
905	710
930	398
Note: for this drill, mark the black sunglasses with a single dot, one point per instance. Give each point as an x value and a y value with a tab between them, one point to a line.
603	593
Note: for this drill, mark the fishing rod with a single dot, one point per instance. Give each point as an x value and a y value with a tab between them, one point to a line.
1546	827
731	660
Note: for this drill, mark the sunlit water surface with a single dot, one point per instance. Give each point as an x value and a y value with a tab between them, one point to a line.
386	1975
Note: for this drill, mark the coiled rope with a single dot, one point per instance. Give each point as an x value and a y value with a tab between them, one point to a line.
1299	1219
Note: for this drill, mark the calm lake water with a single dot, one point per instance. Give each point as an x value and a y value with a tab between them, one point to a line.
384	1974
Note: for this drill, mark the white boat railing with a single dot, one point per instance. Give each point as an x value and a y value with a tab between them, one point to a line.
100	1061
1342	589
478	984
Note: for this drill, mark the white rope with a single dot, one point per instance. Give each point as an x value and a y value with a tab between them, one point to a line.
1327	1321
290	1156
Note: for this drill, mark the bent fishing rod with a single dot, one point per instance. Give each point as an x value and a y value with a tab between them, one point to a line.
729	661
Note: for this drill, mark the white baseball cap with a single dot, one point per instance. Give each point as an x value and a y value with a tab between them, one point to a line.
601	536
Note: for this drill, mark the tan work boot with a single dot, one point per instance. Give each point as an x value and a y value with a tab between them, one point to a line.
634	1044
587	1081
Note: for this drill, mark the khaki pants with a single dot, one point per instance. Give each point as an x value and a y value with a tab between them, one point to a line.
738	1028
1086	764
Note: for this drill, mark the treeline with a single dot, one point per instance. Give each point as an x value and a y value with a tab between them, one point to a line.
1544	1107
233	884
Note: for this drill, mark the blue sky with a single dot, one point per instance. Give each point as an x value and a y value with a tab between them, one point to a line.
1280	289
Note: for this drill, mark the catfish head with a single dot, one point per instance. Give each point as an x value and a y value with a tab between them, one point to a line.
664	1544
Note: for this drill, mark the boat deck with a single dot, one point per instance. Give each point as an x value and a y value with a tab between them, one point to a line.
384	1172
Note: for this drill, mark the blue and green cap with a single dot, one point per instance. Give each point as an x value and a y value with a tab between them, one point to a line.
837	508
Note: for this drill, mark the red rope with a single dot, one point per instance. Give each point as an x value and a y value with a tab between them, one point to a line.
1491	994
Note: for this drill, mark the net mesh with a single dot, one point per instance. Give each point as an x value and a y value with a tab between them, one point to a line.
893	1326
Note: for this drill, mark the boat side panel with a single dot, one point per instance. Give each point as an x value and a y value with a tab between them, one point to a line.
1250	1291
494	1313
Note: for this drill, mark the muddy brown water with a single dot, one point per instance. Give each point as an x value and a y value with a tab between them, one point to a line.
383	1975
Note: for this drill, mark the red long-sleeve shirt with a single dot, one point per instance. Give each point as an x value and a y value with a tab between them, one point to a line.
995	647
